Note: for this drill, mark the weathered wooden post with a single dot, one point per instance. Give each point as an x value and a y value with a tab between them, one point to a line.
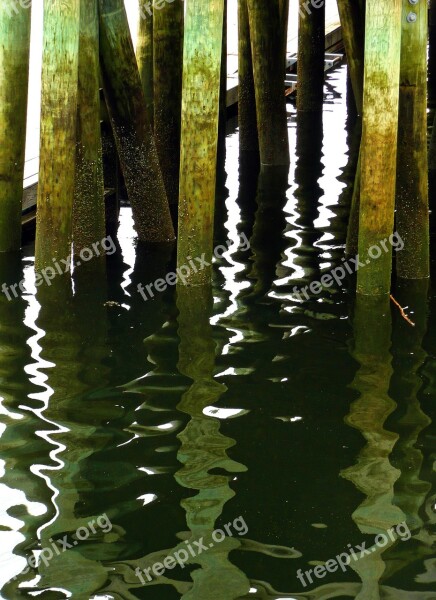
353	32
132	129
144	55
14	77
58	131
412	214
168	65
266	47
311	50
88	209
248	136
200	113
379	143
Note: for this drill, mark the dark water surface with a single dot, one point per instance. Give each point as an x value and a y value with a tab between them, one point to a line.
132	430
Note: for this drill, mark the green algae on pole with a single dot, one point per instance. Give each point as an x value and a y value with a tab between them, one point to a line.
88	209
199	140
132	130
310	64
58	131
266	47
144	55
167	69
412	214
247	120
379	142
14	77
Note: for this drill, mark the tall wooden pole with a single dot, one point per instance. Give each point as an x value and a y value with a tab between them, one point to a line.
248	135
14	78
266	47
353	33
412	215
200	114
310	65
144	55
379	142
168	65
58	131
132	129
432	54
89	209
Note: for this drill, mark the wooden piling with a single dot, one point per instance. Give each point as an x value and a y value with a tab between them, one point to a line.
266	48
88	209
311	50
432	54
132	130
168	64
379	143
14	76
58	131
247	119
353	34
200	114
412	214
144	55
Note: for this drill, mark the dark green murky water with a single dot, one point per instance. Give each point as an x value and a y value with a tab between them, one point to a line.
132	432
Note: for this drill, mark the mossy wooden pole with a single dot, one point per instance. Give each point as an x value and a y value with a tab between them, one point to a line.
432	54
248	136
412	214
310	64
58	131
353	34
168	59
132	129
14	79
200	113
266	48
144	55
379	142
88	209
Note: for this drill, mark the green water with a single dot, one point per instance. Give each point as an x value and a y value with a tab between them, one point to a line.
132	431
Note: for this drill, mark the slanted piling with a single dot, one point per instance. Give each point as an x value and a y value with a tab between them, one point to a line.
167	61
88	209
432	54
266	47
353	33
58	131
412	214
132	130
200	114
379	143
310	64
14	77
144	55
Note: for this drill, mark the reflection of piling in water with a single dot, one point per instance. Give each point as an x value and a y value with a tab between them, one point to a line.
203	449
373	473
